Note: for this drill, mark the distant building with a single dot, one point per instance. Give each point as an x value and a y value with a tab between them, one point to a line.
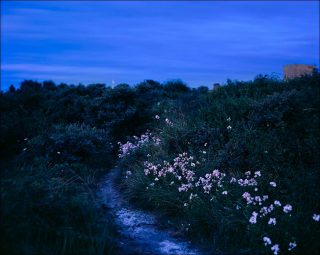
297	70
216	86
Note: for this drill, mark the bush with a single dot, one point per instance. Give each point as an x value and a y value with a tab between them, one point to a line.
53	210
73	143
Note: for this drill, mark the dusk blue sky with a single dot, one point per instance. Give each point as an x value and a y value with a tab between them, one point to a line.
115	42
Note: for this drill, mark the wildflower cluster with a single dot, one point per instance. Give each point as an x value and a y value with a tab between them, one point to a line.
128	147
265	210
181	169
184	175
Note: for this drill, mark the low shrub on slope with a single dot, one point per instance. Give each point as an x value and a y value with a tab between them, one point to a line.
239	170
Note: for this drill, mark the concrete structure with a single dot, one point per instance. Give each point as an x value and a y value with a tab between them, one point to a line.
297	70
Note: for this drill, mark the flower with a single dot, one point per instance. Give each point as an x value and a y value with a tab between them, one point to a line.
275	248
253	218
229	127
224	192
257	173
247	173
287	208
272	221
277	203
58	152
292	245
267	241
168	122
273	184
233	180
192	196
316	217
157	117
228	119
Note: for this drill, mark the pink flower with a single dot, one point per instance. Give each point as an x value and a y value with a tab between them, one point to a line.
275	248
267	241
253	218
272	221
287	208
316	217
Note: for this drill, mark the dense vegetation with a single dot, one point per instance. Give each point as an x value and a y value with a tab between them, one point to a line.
56	142
207	160
238	170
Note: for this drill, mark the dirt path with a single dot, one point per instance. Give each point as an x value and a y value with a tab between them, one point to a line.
139	232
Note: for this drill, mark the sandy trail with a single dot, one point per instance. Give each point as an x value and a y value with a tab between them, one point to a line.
139	232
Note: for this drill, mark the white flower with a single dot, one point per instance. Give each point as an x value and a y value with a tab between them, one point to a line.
204	152
224	192
277	203
257	173
157	117
272	221
229	127
275	248
316	217
287	208
228	119
185	204
58	152
247	173
267	241
292	245
193	164
273	184
24	149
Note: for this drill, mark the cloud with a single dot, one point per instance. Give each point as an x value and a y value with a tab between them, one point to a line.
205	41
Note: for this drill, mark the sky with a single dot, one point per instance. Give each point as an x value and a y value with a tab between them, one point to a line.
127	42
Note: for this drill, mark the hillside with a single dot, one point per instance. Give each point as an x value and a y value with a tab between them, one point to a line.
235	170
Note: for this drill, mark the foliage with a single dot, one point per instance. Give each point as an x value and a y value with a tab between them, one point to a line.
56	141
265	127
